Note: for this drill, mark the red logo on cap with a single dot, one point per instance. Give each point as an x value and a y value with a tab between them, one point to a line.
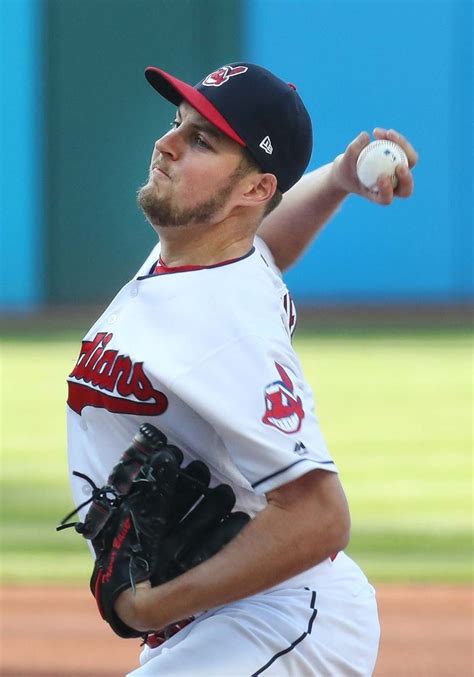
222	75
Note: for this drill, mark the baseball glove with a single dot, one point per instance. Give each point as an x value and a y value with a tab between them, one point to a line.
153	520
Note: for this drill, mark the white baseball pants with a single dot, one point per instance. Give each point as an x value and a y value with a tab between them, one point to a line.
328	627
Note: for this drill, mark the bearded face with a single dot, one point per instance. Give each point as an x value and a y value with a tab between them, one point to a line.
163	208
194	169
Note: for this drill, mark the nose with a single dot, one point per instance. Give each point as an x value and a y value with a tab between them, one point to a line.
168	144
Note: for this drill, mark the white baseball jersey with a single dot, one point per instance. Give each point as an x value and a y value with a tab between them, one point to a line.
205	355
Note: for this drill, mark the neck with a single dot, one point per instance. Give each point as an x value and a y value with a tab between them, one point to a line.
201	245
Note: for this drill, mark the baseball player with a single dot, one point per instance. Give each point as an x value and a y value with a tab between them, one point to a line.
199	344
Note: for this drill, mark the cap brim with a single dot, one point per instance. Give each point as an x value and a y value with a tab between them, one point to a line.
176	90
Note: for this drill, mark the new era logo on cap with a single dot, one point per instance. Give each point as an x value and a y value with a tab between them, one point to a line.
266	144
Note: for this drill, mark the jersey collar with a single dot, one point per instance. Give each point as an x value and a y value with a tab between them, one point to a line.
160	267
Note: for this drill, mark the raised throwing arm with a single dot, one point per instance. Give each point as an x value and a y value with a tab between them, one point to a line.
310	204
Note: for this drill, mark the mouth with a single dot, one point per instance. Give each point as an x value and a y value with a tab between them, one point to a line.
158	171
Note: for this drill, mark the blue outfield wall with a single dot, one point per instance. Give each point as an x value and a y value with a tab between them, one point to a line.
358	64
21	143
406	65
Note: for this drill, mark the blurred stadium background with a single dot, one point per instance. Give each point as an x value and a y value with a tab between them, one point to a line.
384	294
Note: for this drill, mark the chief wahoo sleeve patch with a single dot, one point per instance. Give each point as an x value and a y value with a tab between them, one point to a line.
283	409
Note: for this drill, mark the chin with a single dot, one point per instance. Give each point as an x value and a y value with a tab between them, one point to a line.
146	193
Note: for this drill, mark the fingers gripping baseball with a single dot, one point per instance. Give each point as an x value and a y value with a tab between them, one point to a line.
390	181
405	177
396	137
154	522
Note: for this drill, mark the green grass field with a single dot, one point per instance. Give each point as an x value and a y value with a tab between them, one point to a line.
395	408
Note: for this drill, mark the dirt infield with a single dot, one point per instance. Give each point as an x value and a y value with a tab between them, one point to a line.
55	632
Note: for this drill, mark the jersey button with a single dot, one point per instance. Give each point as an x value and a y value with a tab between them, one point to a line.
134	290
83	424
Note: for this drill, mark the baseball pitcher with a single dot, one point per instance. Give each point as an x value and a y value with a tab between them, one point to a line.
205	487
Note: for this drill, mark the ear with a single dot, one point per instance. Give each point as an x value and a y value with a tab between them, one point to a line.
258	189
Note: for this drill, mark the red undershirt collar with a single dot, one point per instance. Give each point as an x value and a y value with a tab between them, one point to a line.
162	269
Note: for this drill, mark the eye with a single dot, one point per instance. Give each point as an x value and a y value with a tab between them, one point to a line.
175	124
200	141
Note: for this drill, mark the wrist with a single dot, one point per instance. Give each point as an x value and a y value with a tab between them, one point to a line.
151	609
335	181
130	607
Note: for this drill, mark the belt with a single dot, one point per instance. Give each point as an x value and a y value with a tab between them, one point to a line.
154	639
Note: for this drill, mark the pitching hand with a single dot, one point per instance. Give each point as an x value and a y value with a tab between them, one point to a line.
344	169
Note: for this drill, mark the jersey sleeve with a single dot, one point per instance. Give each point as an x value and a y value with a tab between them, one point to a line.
254	395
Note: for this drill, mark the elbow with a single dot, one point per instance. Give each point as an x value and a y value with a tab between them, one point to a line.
339	525
342	533
341	520
331	535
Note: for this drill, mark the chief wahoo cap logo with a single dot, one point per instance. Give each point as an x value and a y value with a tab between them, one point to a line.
284	411
221	75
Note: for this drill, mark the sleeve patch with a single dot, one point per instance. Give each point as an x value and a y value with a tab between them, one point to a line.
283	409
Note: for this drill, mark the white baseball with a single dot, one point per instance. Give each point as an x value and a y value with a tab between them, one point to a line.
379	157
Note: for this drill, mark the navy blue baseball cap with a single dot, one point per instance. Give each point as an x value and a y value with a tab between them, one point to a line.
254	108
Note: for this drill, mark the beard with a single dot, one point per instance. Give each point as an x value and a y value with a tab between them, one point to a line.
162	211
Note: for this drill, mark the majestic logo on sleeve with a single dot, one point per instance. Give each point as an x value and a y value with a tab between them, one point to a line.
284	410
104	379
222	75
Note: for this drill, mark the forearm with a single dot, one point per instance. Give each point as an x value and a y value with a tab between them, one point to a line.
279	543
266	553
303	212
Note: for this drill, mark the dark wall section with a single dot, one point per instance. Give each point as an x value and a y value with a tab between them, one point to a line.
102	119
